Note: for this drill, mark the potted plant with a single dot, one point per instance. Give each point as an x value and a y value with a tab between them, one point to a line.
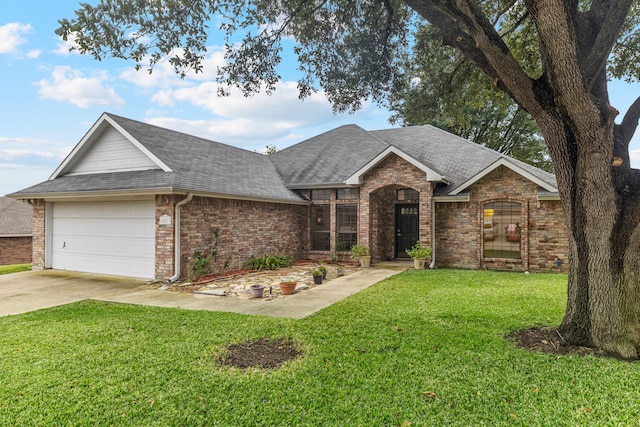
317	276
340	271
323	269
288	288
257	290
419	254
363	253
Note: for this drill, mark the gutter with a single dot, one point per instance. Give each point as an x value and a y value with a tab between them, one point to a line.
433	234
176	238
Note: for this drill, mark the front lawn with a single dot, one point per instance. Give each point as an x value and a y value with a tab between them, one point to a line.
424	348
15	268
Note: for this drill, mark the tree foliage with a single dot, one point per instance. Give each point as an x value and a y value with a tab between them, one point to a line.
442	88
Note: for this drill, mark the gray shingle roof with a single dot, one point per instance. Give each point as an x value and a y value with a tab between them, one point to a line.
334	156
457	158
15	217
328	158
197	165
204	166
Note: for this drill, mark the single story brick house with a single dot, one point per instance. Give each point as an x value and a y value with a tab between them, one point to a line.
138	200
15	231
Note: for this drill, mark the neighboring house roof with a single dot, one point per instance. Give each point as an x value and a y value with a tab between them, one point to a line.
120	155
15	218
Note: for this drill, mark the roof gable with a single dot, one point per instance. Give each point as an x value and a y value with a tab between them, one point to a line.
431	175
108	148
502	161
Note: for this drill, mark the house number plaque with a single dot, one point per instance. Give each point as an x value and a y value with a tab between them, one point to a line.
165	220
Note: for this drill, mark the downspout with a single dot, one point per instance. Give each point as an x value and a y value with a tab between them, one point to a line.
176	237
433	234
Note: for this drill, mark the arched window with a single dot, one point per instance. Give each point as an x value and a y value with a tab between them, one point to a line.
502	229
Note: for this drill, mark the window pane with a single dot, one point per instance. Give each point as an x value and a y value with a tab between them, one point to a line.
501	229
346	227
320	194
320	227
407	194
347	193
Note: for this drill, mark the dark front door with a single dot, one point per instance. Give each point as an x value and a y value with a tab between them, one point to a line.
407	228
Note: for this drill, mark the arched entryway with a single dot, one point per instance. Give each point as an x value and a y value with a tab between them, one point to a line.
399	216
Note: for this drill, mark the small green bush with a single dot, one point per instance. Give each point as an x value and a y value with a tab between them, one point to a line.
269	262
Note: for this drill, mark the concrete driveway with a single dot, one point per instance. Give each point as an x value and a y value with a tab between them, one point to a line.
34	290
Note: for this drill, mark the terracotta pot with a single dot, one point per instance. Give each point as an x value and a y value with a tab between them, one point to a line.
317	280
257	291
288	288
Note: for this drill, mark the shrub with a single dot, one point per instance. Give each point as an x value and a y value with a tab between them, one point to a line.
269	262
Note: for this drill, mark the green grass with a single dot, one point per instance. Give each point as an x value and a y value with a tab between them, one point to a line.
15	268
424	348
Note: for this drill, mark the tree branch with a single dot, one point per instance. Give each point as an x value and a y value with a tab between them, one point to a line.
630	122
608	17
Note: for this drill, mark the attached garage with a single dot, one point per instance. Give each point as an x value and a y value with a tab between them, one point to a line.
115	237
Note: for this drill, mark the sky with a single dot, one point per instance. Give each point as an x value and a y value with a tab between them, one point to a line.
50	97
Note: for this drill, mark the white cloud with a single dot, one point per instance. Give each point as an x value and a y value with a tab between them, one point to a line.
11	36
67	85
34	53
164	76
65	47
13	148
249	121
283	104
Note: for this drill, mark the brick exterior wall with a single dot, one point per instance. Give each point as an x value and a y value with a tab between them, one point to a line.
15	250
544	238
256	228
246	229
165	235
38	232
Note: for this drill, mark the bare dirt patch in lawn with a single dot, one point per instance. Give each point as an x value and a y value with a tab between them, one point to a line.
549	340
261	353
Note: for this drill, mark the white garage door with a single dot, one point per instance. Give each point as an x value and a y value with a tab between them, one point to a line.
104	237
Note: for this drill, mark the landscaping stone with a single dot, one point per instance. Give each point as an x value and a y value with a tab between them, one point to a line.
238	285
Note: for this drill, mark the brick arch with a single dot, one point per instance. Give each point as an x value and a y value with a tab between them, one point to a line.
395	183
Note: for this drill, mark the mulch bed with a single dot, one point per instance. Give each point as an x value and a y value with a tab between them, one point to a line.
262	353
549	340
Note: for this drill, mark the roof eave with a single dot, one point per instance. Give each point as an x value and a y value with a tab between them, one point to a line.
147	192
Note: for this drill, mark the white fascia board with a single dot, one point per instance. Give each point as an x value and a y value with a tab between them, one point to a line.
464	197
549	196
506	163
91	136
356	178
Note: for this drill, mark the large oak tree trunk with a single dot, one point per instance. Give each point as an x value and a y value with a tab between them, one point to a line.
600	201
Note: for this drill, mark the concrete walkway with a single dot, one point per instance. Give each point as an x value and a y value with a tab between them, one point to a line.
34	290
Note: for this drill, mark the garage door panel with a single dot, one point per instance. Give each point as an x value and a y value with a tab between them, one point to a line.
105	237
